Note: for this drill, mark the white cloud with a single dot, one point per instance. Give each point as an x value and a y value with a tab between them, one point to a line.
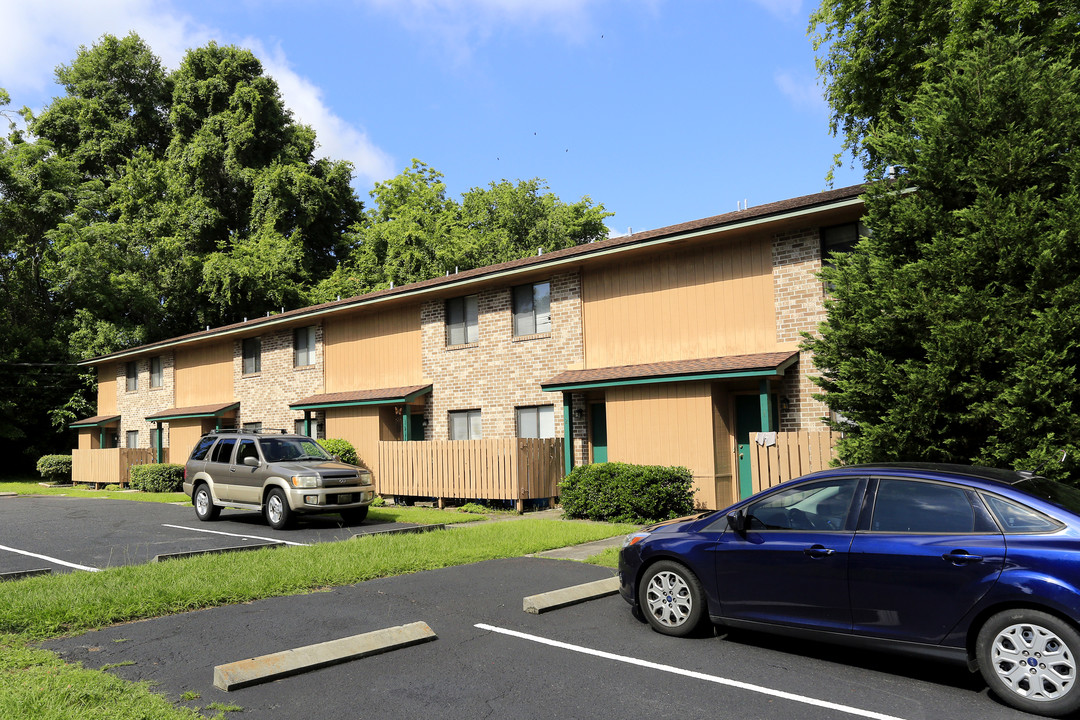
337	138
460	25
805	94
782	9
42	34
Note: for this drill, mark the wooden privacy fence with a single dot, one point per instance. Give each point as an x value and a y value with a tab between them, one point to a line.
515	469
787	455
109	466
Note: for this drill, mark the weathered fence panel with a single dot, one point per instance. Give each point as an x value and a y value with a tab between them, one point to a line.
109	466
791	455
515	469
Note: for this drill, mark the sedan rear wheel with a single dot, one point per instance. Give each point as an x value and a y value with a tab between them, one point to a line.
671	599
1028	658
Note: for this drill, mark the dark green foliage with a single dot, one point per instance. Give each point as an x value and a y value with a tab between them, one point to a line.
619	492
952	330
342	449
157	477
55	468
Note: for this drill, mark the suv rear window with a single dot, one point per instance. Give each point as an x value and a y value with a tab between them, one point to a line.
203	447
223	450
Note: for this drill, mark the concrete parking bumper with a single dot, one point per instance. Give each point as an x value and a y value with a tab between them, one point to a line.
294	662
536	604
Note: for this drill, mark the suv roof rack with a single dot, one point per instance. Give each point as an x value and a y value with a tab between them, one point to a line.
249	431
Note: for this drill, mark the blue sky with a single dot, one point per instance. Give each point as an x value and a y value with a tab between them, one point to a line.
663	110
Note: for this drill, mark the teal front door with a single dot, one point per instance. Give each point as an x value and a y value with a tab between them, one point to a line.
598	430
747	421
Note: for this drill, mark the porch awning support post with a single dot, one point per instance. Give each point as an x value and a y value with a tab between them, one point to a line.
160	445
568	432
307	423
766	406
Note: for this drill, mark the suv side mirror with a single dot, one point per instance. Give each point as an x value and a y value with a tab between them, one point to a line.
251	461
736	520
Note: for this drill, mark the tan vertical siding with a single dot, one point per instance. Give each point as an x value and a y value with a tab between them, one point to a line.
362	426
665	424
183	434
375	350
696	303
204	375
106	403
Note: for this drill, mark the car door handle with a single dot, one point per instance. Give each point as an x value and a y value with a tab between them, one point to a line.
961	557
818	551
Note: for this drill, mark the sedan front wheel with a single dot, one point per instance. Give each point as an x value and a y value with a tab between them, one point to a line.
1028	658
671	599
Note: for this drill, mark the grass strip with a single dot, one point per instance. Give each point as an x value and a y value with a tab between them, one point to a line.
50	605
38	685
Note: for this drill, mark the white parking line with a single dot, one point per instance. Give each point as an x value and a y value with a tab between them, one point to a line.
249	537
50	559
692	674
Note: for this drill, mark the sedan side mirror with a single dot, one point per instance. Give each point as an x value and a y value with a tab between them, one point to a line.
251	461
736	520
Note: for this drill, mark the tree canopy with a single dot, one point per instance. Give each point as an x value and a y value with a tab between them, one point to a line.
951	332
144	203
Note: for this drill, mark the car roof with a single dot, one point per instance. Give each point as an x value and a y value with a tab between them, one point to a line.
998	475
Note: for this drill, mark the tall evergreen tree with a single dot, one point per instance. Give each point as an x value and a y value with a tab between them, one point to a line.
952	329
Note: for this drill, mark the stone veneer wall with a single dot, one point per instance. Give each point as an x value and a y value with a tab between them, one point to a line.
265	396
134	406
499	372
800	308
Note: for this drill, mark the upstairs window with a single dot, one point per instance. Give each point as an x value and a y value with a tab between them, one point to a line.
840	239
462	320
252	350
532	309
131	371
536	422
465	425
304	346
155	372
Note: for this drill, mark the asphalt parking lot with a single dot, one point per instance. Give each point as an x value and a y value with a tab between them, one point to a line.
63	534
592	660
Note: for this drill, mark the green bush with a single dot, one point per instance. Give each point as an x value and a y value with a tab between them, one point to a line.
618	492
55	468
157	478
343	449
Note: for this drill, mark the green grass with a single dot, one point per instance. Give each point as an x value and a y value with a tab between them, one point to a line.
36	684
608	557
31	487
49	605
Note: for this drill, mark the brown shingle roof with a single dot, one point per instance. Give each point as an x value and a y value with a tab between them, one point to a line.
388	395
96	421
195	411
662	370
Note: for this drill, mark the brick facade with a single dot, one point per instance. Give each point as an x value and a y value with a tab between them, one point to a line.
800	307
133	406
500	372
265	396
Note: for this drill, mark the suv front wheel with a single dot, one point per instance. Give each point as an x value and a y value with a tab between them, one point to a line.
205	509
278	513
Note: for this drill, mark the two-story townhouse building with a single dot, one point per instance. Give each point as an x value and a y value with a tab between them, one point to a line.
662	347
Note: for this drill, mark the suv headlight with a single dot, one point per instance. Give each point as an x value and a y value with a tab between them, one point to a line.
365	478
305	481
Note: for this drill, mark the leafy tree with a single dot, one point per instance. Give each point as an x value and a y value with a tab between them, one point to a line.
413	231
875	56
951	330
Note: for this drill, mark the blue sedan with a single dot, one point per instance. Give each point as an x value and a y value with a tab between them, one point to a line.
966	563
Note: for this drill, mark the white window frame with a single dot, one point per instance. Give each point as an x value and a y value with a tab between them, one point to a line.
304	346
465	423
531	309
466	330
535	421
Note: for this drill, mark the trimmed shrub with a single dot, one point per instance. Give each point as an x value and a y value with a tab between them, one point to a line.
343	449
619	492
55	468
157	477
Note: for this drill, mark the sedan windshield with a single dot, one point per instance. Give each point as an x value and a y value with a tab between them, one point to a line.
286	449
